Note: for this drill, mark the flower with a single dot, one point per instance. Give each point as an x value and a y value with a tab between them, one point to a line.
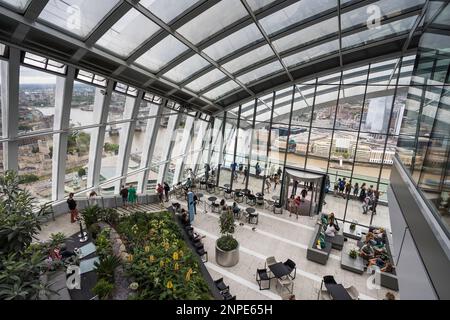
151	258
176	266
133	286
180	253
175	256
169	284
130	258
147	249
161	263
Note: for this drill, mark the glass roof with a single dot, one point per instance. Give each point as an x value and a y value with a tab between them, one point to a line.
123	38
78	17
167	10
186	68
161	54
19	5
300	31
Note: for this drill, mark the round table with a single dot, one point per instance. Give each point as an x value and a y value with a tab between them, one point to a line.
226	185
259	194
276	198
252	215
212	199
250	210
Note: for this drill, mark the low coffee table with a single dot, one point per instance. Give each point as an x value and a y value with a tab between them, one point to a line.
353	265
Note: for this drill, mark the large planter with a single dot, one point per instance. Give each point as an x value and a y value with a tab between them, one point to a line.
227	258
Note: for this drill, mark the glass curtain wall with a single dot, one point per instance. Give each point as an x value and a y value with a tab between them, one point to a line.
345	125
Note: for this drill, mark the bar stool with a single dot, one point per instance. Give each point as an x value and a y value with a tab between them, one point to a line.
260	201
277	208
228	194
251	199
239	197
202	185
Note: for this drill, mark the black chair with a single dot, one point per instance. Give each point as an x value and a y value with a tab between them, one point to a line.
227	296
202	253
292	267
329	279
221	286
262	275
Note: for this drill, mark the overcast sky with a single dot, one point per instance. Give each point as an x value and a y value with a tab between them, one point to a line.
31	76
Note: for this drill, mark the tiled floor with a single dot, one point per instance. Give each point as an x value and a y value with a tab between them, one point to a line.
275	235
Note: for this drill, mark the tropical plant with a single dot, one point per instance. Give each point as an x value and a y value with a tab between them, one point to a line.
103	289
81	172
19	215
21	263
226	223
353	253
109	215
105	268
103	243
90	215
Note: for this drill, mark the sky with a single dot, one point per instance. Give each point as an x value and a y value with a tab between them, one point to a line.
31	76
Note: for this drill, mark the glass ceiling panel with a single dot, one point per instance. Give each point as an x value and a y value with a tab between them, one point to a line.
260	72
233	42
78	17
249	58
205	80
258	4
390	29
122	38
387	7
294	13
161	54
311	53
167	10
186	68
19	5
213	20
221	90
308	34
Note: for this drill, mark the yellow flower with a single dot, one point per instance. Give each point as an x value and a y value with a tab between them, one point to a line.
180	253
151	258
176	266
161	263
188	274
175	256
130	258
147	249
169	285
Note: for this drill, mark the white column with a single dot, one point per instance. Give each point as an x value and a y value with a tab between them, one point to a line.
204	138
186	142
131	110
10	72
173	124
63	99
101	105
151	134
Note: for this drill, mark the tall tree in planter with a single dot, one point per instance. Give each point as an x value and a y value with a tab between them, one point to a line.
227	247
21	262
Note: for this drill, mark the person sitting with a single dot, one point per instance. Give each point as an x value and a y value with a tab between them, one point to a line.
380	262
235	209
367	252
223	205
330	231
185	217
333	220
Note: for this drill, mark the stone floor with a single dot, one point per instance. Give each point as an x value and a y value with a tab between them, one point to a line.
280	236
283	237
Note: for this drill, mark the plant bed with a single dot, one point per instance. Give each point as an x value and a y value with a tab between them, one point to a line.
159	262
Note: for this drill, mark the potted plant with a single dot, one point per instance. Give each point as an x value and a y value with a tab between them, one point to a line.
353	253
227	247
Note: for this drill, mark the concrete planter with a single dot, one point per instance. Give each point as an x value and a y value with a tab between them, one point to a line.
227	258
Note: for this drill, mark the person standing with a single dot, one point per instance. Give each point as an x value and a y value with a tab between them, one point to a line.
279	172
159	192
257	169
362	193
124	195
166	190
304	193
268	185
72	204
132	196
356	189
348	188
294	188
276	180
245	175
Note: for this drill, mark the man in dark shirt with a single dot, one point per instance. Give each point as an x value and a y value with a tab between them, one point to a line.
124	194
72	204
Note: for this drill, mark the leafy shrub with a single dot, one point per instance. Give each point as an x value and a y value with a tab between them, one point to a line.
90	215
28	178
103	289
105	268
57	239
103	243
227	243
109	215
94	229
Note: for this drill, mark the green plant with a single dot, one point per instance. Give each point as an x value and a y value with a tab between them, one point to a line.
21	263
81	172
105	268
103	289
94	229
226	223
57	239
28	178
109	215
103	243
353	253
352	226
